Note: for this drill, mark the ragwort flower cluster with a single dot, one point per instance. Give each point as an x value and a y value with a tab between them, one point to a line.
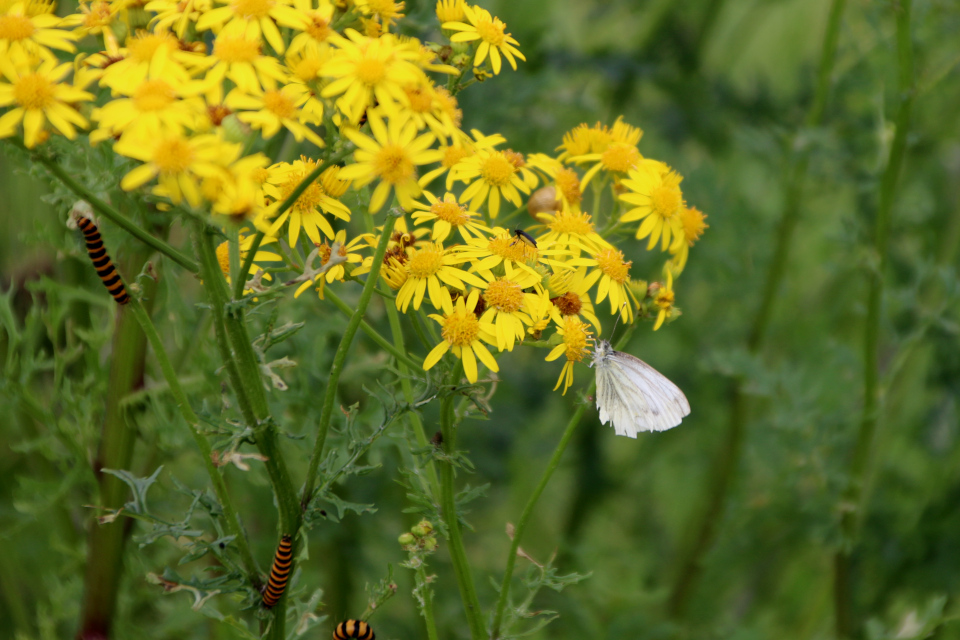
498	247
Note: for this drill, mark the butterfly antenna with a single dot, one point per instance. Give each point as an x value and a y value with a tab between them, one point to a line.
617	321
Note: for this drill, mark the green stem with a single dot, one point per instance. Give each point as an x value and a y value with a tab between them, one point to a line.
396	351
427	609
525	516
393	316
107	211
728	462
448	502
340	358
863	453
105	551
219	486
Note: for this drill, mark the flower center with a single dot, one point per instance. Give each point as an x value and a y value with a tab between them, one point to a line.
318	28
15	27
666	198
33	91
453	155
568	304
393	165
611	263
279	104
306	69
516	158
460	329
420	100
217	113
426	262
504	295
233	49
575	223
497	170
252	9
173	156
99	15
664	299
620	157
693	224
154	95
491	30
371	71
324	251
576	334
455	214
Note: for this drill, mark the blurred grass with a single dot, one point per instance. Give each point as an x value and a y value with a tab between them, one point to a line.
722	115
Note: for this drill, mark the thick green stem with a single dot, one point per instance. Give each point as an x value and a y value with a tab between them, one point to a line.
231	519
863	453
243	370
448	503
728	462
339	359
106	541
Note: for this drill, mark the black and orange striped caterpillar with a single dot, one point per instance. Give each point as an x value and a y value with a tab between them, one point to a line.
101	261
354	629
279	572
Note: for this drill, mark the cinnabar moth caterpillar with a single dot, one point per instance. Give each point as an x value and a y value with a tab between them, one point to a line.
354	629
279	572
101	261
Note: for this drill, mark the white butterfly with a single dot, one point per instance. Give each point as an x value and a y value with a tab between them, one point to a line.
633	395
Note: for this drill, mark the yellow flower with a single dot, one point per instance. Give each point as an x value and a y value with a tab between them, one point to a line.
254	18
693	227
654	190
346	254
366	71
316	24
38	96
24	36
178	162
241	193
462	146
462	333
385	12
618	156
569	293
237	56
613	272
582	140
146	51
447	214
392	156
664	300
507	306
576	339
268	111
246	242
502	249
167	100
572	231
431	106
426	268
492	174
307	211
491	33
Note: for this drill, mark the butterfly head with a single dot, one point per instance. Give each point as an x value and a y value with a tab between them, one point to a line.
601	350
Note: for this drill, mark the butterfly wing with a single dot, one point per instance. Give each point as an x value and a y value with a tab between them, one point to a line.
635	397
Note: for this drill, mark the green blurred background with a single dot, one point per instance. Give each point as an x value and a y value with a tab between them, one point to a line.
721	89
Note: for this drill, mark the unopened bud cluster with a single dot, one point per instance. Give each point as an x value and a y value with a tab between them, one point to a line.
418	542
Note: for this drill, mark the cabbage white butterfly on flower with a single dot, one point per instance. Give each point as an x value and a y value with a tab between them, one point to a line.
634	396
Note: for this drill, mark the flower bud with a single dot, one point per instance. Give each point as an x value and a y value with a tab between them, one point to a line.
406	539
